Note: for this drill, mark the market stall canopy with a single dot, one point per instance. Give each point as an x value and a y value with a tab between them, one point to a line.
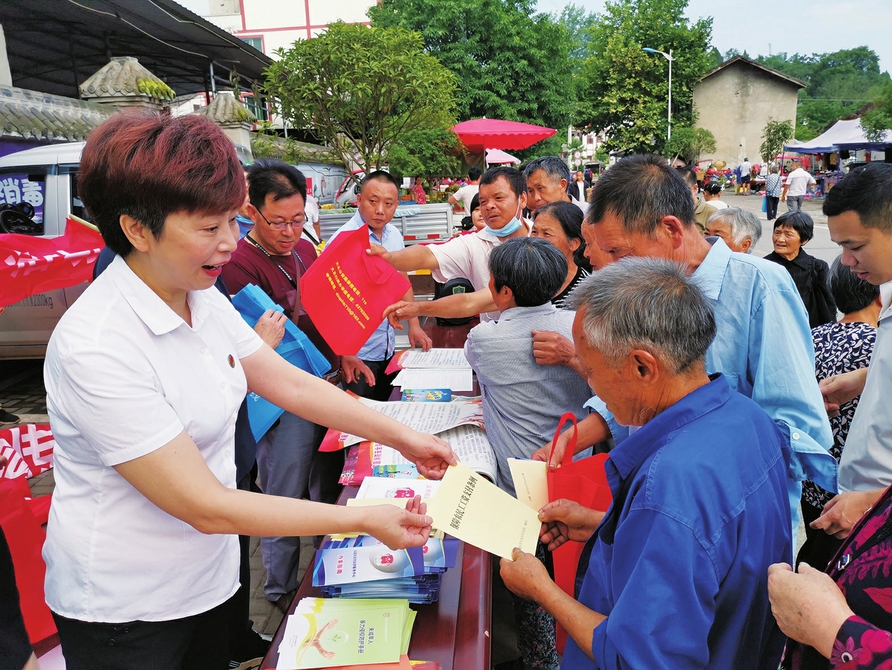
842	135
54	46
499	157
478	134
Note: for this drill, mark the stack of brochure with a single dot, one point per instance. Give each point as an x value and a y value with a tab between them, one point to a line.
363	567
325	633
436	368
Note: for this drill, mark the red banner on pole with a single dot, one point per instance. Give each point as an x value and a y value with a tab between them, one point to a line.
30	265
346	291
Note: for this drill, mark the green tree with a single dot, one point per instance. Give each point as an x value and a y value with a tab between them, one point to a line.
839	84
690	144
775	135
878	119
427	152
510	61
360	89
625	89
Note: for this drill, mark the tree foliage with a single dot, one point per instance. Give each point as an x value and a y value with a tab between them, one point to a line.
360	89
775	135
510	61
878	119
839	85
690	144
625	89
427	152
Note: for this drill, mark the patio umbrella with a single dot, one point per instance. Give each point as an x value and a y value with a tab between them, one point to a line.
499	157
478	134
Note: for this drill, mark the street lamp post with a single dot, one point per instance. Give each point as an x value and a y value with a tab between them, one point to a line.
668	57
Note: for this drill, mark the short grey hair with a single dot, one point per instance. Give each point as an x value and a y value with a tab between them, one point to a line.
649	304
744	224
554	167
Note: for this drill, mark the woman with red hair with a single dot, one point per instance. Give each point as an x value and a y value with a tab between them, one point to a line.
144	375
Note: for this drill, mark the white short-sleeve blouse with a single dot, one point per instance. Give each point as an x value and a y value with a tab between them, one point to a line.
124	376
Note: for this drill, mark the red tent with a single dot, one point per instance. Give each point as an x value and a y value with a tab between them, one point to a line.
480	134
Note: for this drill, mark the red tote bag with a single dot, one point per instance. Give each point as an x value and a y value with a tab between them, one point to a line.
585	482
346	291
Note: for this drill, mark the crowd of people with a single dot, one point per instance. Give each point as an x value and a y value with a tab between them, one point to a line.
731	401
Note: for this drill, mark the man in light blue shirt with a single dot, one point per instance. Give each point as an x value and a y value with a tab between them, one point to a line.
376	204
763	344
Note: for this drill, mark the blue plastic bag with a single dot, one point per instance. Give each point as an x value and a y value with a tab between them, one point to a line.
295	347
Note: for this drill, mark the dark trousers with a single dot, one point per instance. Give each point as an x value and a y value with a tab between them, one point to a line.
15	649
383	383
241	625
771	207
197	642
818	548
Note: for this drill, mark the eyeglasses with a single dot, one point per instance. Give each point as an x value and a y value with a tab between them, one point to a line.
280	225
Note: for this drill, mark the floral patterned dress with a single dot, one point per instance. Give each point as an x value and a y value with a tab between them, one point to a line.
863	571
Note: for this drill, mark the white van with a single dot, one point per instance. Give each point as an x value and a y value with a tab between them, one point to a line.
44	178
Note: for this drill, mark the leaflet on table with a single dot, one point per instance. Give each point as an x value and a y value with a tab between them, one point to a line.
365	563
383	487
466	505
426	395
325	633
438	553
456	379
434	417
433	358
468	442
530	482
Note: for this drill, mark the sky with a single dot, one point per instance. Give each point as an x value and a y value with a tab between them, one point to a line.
791	26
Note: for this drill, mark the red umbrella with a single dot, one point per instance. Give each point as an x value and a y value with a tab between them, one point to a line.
480	134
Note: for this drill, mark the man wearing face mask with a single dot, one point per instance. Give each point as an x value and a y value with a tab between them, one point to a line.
502	200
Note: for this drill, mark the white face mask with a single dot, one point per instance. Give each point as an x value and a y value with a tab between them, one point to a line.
510	228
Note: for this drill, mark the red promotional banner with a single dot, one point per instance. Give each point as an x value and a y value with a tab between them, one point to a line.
346	291
28	448
30	265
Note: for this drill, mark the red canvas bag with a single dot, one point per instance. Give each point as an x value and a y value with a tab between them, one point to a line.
585	482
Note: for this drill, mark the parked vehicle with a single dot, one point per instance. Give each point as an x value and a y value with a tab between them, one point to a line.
323	181
417	223
46	179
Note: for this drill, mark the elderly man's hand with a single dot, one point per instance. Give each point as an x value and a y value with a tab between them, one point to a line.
378	250
524	575
560	448
271	327
841	514
808	605
564	520
551	348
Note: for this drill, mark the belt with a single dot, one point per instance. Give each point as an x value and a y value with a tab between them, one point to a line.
333	377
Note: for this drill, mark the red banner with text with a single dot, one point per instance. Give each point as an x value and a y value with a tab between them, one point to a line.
346	291
30	265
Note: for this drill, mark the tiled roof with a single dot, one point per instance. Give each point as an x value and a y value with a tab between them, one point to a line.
125	77
226	109
33	115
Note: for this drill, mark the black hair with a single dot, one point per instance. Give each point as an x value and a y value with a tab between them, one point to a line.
381	175
850	292
271	177
513	175
474	173
475	202
867	191
532	268
687	172
800	222
712	187
570	218
640	190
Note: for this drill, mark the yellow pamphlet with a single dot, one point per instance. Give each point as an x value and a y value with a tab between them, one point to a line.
530	482
471	508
